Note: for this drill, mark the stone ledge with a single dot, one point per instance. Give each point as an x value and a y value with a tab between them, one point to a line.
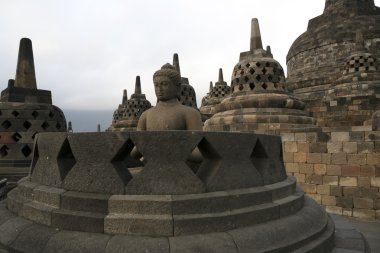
285	237
159	215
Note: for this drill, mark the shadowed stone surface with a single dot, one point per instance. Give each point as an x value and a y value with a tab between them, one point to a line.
134	244
259	100
220	242
24	112
93	160
221	162
11	229
46	239
69	241
33	239
165	171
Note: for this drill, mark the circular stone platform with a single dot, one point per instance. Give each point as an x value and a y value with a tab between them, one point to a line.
80	196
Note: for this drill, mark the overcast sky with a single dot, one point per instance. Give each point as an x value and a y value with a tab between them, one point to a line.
87	51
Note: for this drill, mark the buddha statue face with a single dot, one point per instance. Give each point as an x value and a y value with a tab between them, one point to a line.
165	88
167	83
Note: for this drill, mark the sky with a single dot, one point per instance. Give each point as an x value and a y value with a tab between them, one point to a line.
87	51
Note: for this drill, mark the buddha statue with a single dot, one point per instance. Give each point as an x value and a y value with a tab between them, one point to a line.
169	113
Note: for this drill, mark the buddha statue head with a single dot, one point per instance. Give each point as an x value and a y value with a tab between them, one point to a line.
167	83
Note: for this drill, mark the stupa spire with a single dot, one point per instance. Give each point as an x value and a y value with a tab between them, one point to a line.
255	35
176	63
138	86
220	79
220	75
11	83
125	96
211	86
269	50
25	74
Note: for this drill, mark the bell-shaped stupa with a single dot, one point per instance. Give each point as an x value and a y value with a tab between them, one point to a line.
259	100
353	97
187	94
216	94
24	112
126	116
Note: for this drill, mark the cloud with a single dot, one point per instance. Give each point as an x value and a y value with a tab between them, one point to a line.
86	52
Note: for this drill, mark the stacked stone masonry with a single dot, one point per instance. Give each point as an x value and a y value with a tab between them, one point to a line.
239	195
338	167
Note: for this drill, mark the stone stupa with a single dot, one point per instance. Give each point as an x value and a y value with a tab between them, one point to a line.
80	196
187	94
216	94
353	97
259	100
24	112
126	116
315	58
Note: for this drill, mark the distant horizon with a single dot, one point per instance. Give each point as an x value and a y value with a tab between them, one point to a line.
88	120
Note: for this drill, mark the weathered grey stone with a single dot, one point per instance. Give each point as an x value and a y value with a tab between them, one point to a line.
15	201
221	172
25	111
170	113
37	212
140	204
165	171
33	239
276	234
211	243
283	189
87	202
139	224
223	221
78	221
45	169
4	213
291	204
123	244
95	160
11	229
70	241
126	116
25	189
48	195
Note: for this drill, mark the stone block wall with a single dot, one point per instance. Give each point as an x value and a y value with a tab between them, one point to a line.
337	167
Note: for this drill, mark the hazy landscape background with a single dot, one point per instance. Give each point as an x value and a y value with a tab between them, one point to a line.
87	121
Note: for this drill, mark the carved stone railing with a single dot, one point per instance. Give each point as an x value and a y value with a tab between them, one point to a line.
99	162
191	185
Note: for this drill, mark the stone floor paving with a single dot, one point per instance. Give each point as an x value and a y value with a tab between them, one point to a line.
371	230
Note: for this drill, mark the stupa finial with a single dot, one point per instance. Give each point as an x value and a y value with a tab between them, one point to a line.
25	74
125	96
211	86
176	63
255	35
220	79
138	86
11	83
269	50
